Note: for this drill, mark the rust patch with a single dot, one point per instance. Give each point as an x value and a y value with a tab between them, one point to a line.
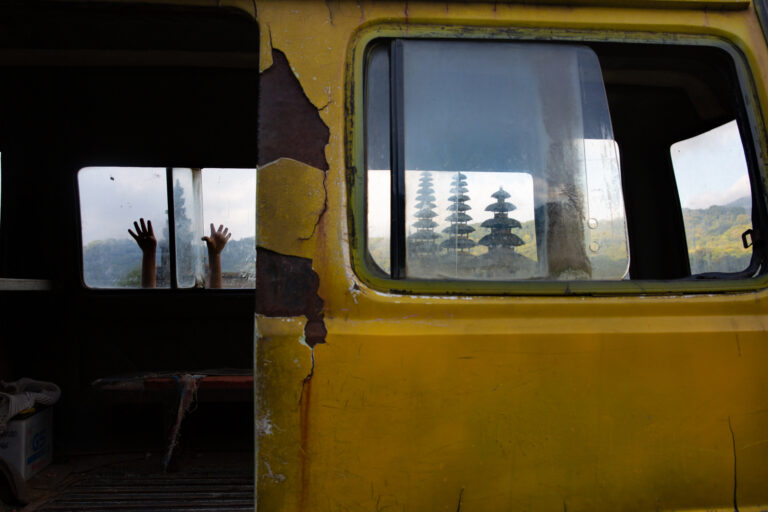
306	394
330	12
289	127
289	124
287	286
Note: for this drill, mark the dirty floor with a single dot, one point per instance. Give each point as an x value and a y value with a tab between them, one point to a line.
137	482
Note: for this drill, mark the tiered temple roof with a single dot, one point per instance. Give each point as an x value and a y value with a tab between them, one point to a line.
422	241
458	232
501	224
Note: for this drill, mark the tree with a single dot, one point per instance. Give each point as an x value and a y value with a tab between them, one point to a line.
501	225
423	240
458	232
188	247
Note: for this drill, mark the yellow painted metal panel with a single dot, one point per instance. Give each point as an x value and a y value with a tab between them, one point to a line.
504	403
281	358
651	4
290	198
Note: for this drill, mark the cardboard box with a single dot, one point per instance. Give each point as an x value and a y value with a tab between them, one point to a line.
27	445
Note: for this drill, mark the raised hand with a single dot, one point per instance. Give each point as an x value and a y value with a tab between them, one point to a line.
216	243
218	239
145	238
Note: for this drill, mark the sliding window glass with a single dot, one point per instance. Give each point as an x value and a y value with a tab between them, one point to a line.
716	199
491	161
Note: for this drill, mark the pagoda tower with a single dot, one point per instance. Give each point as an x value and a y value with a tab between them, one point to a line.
501	224
423	240
458	232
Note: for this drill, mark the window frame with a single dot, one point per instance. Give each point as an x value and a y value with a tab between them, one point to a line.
366	269
173	284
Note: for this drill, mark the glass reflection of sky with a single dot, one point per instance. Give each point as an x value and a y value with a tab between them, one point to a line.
112	198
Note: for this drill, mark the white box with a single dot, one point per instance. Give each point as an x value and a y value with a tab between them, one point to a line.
27	444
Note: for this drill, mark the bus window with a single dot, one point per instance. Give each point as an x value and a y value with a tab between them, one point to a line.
229	198
713	184
509	167
113	198
499	161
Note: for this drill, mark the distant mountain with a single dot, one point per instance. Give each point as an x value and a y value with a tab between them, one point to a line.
742	202
107	262
117	263
713	235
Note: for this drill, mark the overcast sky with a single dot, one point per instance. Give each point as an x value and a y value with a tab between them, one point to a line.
498	112
711	169
112	198
600	180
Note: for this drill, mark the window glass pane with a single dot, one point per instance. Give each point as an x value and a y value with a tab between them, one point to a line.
377	156
111	200
486	235
606	224
511	168
229	199
713	184
379	187
188	222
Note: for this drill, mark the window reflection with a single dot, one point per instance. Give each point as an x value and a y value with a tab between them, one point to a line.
511	171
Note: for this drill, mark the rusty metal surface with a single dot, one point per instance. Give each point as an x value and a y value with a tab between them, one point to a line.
289	124
287	286
126	490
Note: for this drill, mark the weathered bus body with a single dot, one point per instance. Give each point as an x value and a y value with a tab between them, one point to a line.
509	255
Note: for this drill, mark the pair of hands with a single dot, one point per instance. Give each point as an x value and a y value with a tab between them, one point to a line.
145	237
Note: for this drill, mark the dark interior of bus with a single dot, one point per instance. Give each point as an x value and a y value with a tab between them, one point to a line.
659	95
84	85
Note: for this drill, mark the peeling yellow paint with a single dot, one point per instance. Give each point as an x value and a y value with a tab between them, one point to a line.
501	403
281	365
265	48
291	198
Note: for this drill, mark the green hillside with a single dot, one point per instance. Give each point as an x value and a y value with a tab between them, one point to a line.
713	236
117	263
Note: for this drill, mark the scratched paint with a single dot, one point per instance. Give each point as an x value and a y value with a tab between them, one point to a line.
496	403
280	357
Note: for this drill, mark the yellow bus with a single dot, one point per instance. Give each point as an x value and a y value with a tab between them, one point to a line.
485	255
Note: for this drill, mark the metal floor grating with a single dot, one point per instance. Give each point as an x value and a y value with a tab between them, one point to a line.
123	490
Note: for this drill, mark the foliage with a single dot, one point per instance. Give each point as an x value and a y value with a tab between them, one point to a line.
187	245
117	263
132	279
713	235
239	256
714	238
108	262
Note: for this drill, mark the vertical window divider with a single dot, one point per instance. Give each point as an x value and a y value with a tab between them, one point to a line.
397	159
197	225
171	227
